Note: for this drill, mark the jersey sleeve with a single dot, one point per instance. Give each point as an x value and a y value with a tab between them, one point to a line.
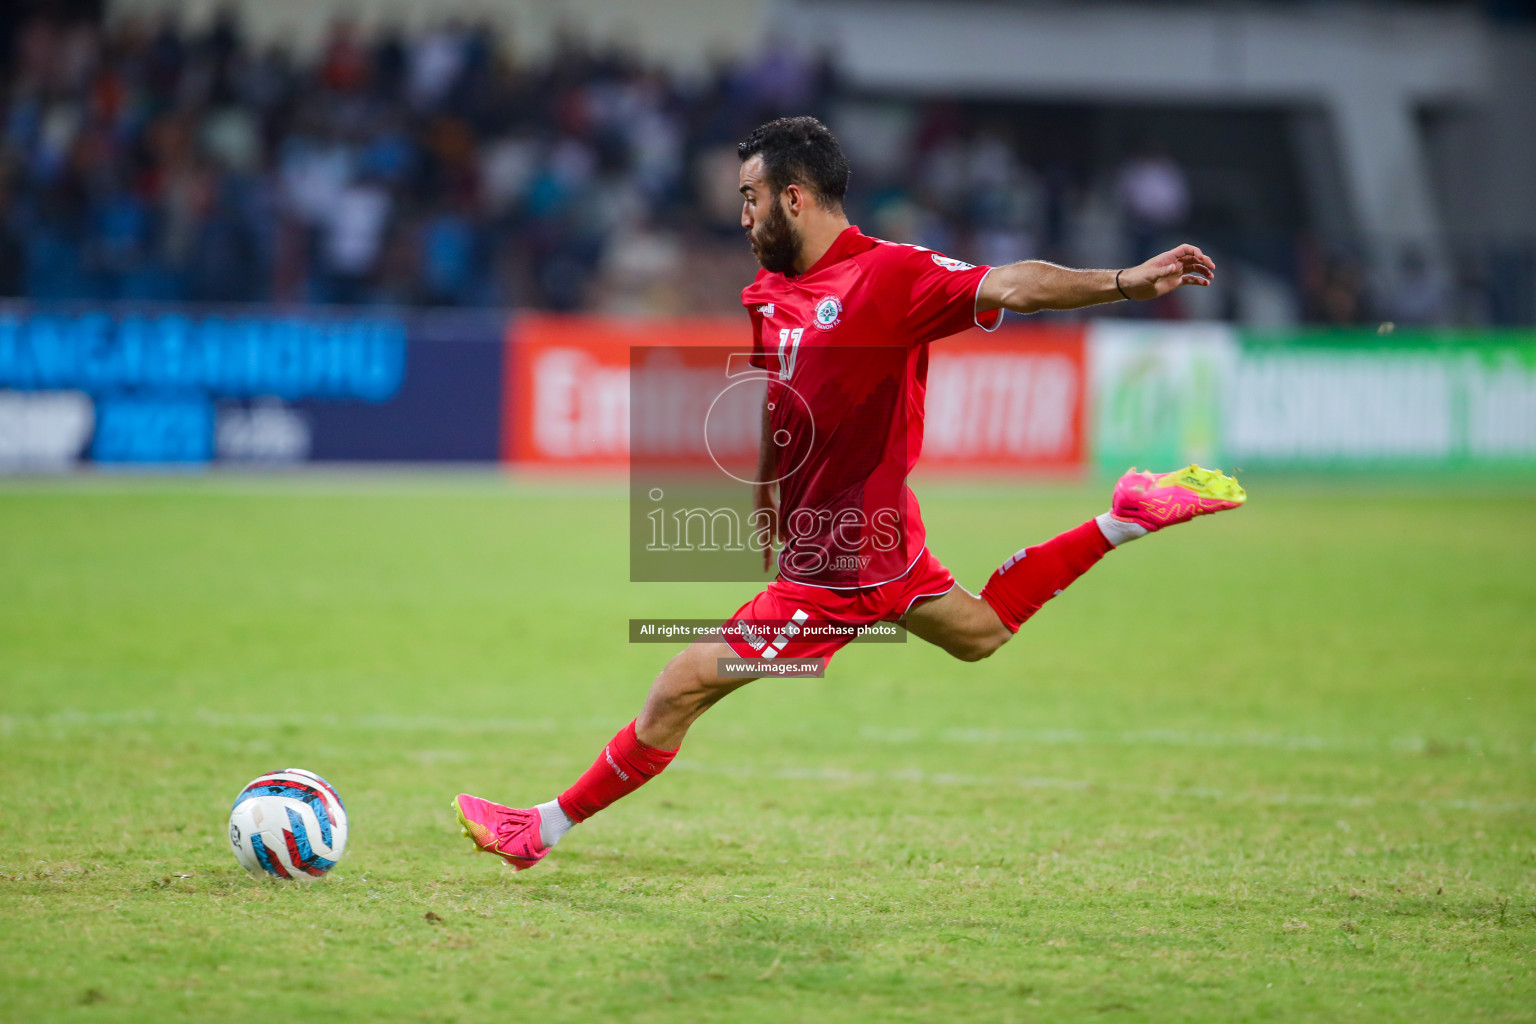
759	358
751	302
941	295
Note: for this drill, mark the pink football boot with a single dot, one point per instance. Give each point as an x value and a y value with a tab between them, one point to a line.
1156	500
512	833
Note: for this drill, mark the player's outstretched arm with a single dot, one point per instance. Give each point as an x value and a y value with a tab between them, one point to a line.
1033	285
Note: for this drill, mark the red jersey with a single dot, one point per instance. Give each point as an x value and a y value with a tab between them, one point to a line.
846	344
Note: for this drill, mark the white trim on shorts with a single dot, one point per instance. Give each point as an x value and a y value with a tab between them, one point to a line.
862	586
919	597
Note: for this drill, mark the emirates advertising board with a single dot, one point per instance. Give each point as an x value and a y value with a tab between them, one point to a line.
1013	400
684	408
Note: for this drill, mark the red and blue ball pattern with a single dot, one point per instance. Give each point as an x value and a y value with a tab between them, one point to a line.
288	824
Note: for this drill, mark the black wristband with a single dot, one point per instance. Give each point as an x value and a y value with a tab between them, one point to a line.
1124	296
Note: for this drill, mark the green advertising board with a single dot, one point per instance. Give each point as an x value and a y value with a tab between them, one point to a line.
1156	393
1164	395
1346	399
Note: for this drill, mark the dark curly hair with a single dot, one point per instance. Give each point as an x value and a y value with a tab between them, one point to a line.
800	151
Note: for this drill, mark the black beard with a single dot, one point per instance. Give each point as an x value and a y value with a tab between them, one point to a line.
775	243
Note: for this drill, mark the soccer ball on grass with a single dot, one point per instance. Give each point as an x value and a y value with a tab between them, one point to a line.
288	824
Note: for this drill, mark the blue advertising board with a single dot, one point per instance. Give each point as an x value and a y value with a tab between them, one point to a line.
448	404
178	386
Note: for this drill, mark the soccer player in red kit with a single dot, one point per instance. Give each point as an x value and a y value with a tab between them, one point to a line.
841	325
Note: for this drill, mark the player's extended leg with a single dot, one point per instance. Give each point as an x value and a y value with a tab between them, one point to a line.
684	690
971	627
689	686
959	622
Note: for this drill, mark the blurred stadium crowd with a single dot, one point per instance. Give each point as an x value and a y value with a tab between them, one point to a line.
142	162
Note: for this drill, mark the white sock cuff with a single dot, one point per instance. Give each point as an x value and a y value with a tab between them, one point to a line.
553	823
1118	531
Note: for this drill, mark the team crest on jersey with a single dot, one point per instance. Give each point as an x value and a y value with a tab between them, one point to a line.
828	310
949	264
766	310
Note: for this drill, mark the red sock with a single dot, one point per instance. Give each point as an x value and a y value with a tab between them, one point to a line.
1032	577
626	765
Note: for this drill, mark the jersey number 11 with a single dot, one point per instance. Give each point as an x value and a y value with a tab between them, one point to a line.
789	344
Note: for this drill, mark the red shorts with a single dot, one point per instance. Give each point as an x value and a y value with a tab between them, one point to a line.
772	623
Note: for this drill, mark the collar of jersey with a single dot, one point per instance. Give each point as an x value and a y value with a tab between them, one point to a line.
850	242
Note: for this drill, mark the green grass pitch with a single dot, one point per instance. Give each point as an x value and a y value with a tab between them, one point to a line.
1275	765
